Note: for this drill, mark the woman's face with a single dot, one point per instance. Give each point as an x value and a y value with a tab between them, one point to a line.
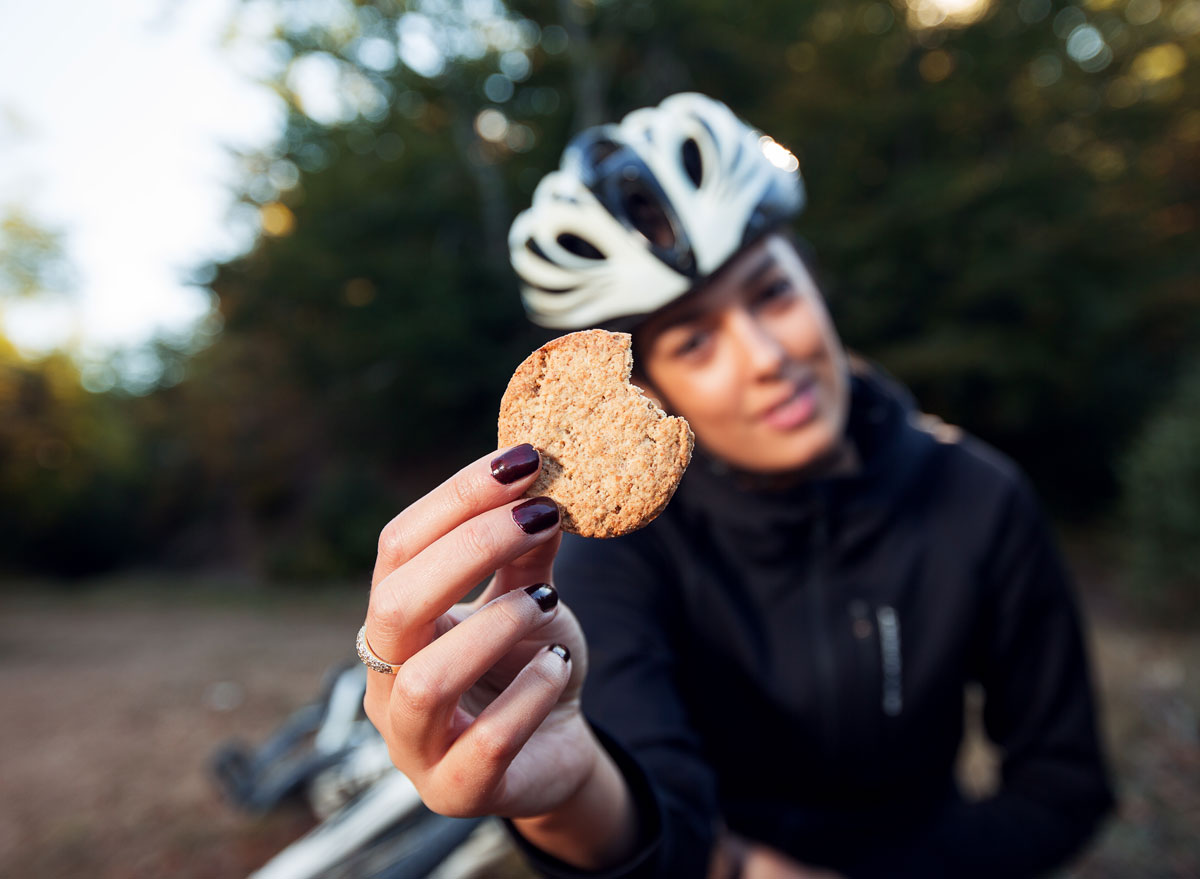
753	362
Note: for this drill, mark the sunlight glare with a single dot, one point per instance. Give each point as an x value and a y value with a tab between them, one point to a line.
946	13
131	111
778	155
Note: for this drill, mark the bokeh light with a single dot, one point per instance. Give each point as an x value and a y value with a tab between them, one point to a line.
1087	48
936	65
877	18
491	125
778	155
1141	12
498	88
376	53
1045	70
277	219
1159	62
314	79
515	65
418	47
1031	11
946	13
1186	18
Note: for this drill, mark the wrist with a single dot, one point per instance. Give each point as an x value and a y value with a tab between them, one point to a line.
595	826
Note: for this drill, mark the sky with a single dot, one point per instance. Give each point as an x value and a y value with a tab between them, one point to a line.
116	123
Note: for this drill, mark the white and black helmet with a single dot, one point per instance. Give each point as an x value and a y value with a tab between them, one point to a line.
641	211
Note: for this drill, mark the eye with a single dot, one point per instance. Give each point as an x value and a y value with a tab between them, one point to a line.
776	291
691	342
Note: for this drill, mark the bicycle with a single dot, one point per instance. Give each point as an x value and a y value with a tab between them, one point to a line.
372	823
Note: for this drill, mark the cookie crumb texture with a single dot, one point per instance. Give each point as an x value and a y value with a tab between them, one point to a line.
611	459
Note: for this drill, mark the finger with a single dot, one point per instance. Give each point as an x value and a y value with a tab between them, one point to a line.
535	566
475	764
481	485
377	699
429	686
405	606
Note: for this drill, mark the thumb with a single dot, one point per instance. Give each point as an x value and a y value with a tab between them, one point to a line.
536	566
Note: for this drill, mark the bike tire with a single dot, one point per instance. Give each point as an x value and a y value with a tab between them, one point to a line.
410	849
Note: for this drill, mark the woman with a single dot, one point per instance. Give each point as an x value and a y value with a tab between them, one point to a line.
775	667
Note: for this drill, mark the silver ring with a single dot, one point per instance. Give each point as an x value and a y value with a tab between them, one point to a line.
368	657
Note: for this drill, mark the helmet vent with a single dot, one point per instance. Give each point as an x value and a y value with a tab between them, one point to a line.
601	150
692	165
647	215
579	247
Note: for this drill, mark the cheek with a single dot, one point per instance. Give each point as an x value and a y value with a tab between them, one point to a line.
707	398
805	334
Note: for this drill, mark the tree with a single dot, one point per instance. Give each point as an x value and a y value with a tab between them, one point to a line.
32	260
1004	206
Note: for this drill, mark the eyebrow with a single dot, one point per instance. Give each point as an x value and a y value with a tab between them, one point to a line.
691	311
683	316
764	266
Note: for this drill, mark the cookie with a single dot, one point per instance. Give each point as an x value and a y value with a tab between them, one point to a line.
611	459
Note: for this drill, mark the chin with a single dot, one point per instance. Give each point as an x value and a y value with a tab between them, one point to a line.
791	454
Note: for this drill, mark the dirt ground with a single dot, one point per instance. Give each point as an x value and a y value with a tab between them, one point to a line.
114	699
114	703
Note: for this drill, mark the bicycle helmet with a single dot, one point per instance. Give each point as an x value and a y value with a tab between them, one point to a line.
641	211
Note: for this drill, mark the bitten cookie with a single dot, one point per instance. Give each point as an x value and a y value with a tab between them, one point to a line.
611	459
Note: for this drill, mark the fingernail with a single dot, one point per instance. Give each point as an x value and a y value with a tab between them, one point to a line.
516	462
562	652
544	594
536	515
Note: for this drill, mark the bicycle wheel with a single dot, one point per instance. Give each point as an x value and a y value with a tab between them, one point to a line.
409	849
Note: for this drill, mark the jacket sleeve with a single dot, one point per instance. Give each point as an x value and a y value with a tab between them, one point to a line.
624	605
1039	710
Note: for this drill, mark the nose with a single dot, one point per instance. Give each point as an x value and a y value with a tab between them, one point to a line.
762	354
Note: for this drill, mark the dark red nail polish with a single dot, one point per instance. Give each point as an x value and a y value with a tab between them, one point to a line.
544	594
516	462
536	515
558	650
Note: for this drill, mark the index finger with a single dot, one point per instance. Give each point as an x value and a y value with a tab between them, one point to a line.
486	483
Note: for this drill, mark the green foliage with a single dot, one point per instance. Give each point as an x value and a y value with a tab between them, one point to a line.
1018	253
1160	479
69	474
1009	230
32	262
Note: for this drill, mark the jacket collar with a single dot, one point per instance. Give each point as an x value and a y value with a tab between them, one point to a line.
892	450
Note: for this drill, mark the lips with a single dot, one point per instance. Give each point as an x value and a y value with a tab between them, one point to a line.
794	410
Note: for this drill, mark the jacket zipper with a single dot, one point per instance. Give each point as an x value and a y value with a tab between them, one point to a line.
868	725
889	657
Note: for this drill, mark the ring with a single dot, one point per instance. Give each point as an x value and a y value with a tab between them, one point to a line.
368	657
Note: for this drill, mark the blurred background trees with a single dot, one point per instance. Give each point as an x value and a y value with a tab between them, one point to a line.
1003	199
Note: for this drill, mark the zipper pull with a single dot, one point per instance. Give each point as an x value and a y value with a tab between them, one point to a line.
860	624
889	652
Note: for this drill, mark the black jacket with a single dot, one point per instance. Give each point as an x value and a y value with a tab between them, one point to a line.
792	663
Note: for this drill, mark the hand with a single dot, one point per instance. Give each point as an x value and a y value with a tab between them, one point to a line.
736	857
483	716
763	862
